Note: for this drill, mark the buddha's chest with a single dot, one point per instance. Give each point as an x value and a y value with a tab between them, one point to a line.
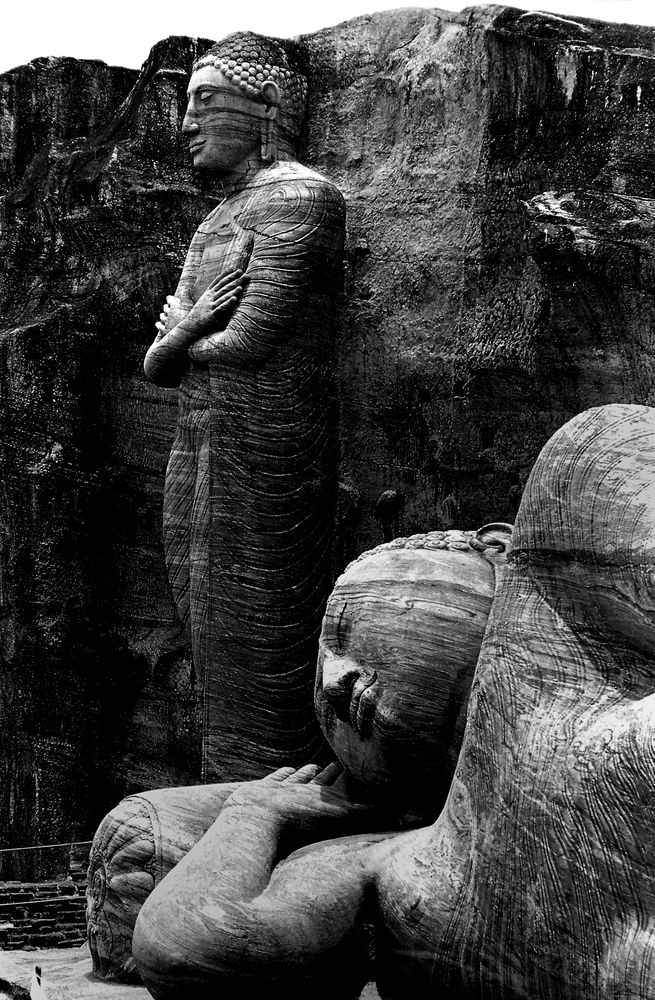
227	247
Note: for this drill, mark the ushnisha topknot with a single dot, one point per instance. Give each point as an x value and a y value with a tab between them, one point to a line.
248	60
453	539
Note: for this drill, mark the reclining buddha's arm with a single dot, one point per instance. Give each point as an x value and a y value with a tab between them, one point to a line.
230	919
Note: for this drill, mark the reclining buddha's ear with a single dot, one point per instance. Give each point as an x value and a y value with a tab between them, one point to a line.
494	540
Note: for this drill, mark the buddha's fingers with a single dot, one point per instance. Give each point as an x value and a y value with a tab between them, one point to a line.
280	774
303	775
329	774
225	303
222	280
234	288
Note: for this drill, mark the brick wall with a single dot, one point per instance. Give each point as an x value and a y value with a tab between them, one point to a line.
42	914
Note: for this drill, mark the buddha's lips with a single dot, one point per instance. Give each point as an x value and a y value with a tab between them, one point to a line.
344	703
361	712
194	146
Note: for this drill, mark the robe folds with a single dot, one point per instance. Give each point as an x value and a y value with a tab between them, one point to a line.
251	480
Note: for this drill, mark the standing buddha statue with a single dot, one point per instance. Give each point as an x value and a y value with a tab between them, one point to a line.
247	339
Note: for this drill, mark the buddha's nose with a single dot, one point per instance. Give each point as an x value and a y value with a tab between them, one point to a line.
190	125
339	675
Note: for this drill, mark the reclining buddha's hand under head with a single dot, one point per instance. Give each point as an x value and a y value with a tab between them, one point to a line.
309	804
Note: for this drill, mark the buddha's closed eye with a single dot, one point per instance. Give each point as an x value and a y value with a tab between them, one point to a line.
343	628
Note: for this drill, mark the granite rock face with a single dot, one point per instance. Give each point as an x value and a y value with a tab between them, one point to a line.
97	684
497	168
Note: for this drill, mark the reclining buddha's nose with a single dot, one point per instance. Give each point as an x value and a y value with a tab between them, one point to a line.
339	674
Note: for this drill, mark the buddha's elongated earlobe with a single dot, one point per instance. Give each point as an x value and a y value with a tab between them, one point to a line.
270	93
269	137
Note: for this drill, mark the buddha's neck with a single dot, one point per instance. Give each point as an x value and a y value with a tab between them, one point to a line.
244	174
240	178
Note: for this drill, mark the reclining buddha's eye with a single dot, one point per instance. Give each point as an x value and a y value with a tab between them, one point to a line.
337	627
343	628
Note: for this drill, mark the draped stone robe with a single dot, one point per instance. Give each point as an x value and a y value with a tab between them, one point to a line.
250	485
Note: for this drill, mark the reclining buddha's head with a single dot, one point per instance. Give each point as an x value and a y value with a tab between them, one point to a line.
401	636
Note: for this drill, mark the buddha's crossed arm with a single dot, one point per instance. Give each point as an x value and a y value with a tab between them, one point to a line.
182	321
297	246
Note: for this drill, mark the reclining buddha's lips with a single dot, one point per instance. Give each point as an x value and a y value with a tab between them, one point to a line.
363	704
195	146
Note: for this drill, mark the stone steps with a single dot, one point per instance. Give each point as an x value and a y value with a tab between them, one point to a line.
42	915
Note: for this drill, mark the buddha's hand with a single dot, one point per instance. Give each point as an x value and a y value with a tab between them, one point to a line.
172	314
214	307
308	804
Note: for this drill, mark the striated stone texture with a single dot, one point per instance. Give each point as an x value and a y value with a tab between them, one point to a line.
476	322
498	173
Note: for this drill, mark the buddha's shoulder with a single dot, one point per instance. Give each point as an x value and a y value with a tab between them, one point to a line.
290	179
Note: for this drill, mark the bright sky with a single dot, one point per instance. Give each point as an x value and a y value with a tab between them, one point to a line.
121	32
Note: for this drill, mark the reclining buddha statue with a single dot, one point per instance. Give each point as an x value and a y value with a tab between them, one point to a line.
537	876
399	643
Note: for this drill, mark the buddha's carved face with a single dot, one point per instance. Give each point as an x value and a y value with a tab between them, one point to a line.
222	123
399	644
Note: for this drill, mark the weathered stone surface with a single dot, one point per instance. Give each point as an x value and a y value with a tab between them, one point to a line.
497	169
97	688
